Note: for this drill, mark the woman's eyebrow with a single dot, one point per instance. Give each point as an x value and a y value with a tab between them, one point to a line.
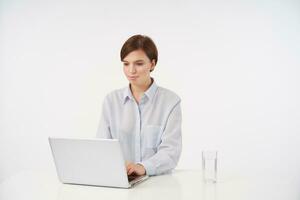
134	61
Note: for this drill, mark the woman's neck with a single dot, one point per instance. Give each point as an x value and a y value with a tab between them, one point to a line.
139	90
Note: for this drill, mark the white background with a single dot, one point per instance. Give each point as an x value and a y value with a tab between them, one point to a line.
235	64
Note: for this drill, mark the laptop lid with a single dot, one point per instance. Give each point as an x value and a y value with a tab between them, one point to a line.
89	161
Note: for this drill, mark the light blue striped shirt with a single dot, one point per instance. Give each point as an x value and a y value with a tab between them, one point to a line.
149	132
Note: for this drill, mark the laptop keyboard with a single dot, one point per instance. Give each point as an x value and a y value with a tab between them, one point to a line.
132	177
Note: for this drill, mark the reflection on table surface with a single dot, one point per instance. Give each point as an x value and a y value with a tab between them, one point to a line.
181	184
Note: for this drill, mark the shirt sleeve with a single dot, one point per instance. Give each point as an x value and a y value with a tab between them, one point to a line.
103	130
169	150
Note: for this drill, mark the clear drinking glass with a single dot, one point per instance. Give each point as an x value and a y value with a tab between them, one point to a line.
209	166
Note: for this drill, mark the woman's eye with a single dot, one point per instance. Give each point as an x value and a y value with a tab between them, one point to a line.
140	64
125	64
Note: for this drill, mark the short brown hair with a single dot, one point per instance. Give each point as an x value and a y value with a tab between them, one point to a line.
142	42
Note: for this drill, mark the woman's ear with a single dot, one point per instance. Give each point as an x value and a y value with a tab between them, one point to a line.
152	65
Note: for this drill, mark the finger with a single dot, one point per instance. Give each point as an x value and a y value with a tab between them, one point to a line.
131	171
127	169
129	166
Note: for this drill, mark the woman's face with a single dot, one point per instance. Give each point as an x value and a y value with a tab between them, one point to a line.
137	67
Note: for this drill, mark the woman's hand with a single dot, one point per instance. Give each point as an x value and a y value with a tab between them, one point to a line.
135	169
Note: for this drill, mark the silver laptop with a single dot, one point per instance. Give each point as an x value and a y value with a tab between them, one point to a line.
94	161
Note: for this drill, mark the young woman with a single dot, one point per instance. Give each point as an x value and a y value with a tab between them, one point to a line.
144	117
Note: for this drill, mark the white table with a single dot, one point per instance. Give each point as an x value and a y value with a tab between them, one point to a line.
181	184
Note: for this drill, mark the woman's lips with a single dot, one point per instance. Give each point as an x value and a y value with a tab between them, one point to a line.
132	77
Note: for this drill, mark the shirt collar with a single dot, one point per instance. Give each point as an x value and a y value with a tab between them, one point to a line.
127	94
150	92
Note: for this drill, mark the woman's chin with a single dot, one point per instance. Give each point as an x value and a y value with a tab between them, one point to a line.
133	81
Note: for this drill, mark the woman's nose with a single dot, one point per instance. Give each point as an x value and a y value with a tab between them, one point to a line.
132	69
